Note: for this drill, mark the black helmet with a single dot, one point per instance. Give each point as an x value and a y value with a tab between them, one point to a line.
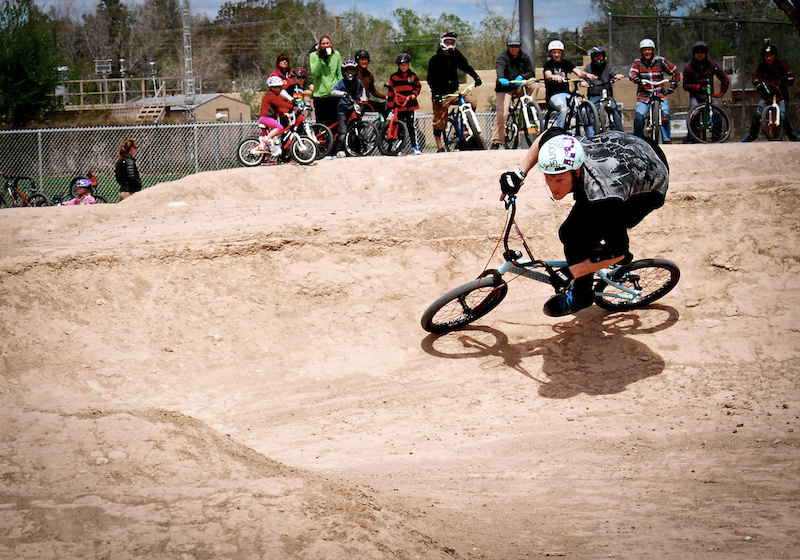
362	53
699	46
769	48
597	50
402	57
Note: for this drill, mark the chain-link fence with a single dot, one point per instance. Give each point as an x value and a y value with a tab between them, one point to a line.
53	156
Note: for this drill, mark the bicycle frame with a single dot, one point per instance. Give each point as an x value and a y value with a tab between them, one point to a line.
458	115
654	96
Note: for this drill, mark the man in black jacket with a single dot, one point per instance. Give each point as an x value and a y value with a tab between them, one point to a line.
512	65
443	70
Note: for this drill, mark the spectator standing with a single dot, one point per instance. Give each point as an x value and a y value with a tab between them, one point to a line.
556	84
367	79
126	172
404	87
325	66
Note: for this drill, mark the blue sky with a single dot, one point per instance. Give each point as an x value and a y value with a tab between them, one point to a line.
550	14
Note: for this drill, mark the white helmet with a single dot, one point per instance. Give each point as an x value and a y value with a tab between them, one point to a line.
647	44
448	35
274	81
555	46
559	154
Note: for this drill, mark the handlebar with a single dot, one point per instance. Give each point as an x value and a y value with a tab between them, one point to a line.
461	93
658	83
525	82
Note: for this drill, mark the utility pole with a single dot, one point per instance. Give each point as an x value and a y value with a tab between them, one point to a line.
188	81
526	33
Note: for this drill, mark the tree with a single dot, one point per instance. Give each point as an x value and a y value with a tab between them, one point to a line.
29	62
790	8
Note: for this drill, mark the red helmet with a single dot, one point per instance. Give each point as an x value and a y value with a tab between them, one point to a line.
298	73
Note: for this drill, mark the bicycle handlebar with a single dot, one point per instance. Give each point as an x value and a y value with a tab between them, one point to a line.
525	82
659	83
461	93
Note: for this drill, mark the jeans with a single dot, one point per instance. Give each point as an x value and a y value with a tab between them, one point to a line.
642	109
755	124
614	110
560	102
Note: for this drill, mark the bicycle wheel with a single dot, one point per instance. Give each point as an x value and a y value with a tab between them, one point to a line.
243	152
392	146
511	140
705	130
451	140
465	304
303	150
324	138
360	138
653	122
536	118
604	121
587	119
654	277
100	199
39	200
475	139
771	123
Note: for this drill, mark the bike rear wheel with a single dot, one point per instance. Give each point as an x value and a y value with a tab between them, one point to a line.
654	277
771	123
399	132
303	150
243	152
360	138
706	128
511	140
459	307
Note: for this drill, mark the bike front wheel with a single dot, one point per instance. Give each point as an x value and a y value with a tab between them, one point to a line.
708	126
303	150
39	200
459	307
655	278
587	119
771	123
244	155
451	139
399	137
477	140
511	141
360	138
653	123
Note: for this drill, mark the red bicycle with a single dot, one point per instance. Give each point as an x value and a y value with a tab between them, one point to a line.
359	140
393	133
296	142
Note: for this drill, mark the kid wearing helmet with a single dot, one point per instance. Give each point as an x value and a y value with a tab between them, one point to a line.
349	90
84	188
556	84
275	104
404	87
771	70
512	65
606	73
653	68
299	76
442	78
367	79
615	179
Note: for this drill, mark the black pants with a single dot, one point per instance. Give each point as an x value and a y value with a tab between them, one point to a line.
325	109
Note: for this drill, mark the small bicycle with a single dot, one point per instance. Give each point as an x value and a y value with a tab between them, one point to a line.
708	123
360	139
771	120
294	145
463	130
393	133
616	288
654	118
524	116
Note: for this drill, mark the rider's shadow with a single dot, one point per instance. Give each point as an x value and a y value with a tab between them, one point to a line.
591	354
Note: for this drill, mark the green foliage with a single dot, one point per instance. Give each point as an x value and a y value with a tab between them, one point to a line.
28	62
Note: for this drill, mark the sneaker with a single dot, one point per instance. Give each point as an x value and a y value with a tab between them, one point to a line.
340	154
275	151
747	138
495	146
667	141
564	304
417	151
441	151
257	151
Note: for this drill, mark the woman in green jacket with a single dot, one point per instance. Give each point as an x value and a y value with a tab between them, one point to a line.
325	67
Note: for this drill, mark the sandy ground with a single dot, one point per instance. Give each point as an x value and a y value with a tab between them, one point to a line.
231	366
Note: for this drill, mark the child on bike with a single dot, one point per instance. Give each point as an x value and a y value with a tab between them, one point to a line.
404	87
84	188
606	73
556	84
349	90
275	104
653	68
773	71
616	180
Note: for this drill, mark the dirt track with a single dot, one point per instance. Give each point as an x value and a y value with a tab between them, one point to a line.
231	366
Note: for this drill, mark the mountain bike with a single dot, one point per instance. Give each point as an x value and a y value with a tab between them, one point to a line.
616	288
582	116
463	131
393	133
524	116
21	191
771	119
607	112
293	144
708	123
654	118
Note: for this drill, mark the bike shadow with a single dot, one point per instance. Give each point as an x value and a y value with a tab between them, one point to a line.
592	353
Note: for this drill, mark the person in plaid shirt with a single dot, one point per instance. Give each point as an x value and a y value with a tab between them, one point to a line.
653	68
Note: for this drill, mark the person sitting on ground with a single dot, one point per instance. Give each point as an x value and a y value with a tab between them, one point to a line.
556	84
84	187
616	180
404	87
349	91
773	71
276	103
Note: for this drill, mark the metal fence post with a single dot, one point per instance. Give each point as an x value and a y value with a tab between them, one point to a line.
40	162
